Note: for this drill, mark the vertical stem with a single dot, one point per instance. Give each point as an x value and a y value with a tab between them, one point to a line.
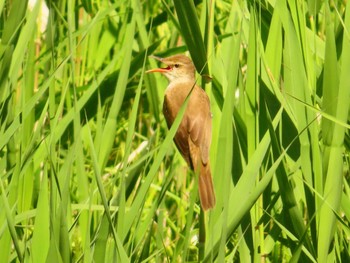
202	234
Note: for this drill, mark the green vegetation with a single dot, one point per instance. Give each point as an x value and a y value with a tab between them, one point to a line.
89	171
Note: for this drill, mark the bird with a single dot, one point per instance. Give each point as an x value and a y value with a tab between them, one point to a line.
193	137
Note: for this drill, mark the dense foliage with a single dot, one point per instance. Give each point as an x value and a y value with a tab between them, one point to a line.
89	171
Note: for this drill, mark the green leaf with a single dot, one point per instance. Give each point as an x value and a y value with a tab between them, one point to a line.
190	30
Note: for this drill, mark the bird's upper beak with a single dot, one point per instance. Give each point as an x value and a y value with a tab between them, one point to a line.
166	69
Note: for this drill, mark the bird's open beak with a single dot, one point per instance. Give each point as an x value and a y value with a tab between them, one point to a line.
161	70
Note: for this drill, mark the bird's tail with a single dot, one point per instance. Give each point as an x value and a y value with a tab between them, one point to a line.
205	186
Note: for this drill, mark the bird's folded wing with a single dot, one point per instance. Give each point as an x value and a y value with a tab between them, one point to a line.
199	128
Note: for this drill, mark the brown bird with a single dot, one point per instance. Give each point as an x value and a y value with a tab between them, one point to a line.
193	137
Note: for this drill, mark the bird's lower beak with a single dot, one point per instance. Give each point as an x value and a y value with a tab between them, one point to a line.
161	70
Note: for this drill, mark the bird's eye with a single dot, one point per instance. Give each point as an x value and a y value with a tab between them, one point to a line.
176	65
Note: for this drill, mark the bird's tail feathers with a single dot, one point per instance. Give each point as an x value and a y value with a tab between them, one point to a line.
205	187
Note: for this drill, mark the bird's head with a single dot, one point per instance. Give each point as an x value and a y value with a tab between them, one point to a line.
177	67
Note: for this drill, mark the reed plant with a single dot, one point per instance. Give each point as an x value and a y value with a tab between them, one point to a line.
89	171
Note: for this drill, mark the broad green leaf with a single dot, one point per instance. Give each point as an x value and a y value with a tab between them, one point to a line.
41	237
190	30
333	161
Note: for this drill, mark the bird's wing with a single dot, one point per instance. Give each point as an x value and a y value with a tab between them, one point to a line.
199	124
199	140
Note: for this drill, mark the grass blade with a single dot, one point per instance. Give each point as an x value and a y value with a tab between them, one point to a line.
190	30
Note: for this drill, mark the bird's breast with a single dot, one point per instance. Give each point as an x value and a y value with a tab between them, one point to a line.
171	108
175	95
